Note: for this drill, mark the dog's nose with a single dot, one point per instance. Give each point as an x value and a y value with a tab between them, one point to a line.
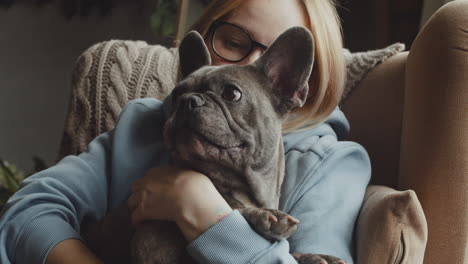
193	101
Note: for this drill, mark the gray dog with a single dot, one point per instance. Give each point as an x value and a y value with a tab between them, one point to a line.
224	122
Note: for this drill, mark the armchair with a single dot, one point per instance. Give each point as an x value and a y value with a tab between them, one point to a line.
382	110
410	114
109	74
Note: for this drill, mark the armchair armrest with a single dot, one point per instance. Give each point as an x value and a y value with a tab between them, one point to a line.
391	227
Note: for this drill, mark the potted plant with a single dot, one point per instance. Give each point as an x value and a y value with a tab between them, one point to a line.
11	177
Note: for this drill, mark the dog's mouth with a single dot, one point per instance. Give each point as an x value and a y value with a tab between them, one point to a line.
217	144
198	147
204	136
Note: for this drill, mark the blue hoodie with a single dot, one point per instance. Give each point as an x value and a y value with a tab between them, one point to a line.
324	187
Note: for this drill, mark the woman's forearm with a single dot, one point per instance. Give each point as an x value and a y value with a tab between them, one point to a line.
197	217
184	196
72	251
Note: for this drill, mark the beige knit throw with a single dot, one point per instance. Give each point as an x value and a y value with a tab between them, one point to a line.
109	74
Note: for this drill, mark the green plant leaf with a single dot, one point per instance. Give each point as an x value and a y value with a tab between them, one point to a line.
9	170
163	19
4	195
11	177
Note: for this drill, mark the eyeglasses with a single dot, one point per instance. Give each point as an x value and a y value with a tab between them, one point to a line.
232	42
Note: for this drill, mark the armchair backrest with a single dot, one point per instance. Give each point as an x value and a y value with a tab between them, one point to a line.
375	110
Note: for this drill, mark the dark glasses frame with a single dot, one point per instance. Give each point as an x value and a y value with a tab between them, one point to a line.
216	24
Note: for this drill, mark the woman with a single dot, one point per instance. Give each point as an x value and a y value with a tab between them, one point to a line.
331	176
324	184
43	219
233	31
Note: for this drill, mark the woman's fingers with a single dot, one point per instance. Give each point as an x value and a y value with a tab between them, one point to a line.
137	216
160	193
135	200
136	205
138	184
148	178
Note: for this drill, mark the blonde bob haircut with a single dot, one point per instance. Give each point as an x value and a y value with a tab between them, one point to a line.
328	76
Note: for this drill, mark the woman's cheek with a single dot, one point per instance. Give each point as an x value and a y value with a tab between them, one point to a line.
215	61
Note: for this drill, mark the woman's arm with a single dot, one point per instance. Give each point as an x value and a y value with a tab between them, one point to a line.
72	251
324	192
51	204
328	201
199	215
216	233
176	194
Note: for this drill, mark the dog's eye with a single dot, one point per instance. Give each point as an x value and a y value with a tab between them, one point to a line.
231	93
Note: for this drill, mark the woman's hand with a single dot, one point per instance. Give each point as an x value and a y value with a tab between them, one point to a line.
162	193
187	197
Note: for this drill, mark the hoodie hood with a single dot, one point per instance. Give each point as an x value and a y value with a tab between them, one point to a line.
336	125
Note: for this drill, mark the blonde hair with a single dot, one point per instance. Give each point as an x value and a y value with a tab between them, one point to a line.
328	76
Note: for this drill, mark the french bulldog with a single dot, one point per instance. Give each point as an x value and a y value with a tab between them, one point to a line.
226	122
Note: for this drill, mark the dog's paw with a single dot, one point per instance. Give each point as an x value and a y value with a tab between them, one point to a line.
316	259
270	223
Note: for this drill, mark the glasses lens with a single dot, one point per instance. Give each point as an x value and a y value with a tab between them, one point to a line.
231	42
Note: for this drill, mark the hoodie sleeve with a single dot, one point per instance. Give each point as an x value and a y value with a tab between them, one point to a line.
232	240
328	200
328	194
51	204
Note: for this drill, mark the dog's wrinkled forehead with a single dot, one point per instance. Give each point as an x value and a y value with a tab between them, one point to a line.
215	78
212	76
286	64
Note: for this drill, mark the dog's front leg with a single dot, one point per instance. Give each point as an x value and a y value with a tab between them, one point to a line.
270	223
316	259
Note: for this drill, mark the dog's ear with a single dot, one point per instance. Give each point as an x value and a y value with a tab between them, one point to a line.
193	53
288	64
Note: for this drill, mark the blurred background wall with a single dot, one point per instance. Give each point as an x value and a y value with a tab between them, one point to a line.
371	24
430	6
38	49
39	46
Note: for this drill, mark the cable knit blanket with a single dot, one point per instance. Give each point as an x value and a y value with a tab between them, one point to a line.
109	74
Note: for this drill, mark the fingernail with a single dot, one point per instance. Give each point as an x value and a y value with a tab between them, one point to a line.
273	218
295	220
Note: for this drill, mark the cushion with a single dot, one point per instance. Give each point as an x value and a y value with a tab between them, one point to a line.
358	64
391	227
